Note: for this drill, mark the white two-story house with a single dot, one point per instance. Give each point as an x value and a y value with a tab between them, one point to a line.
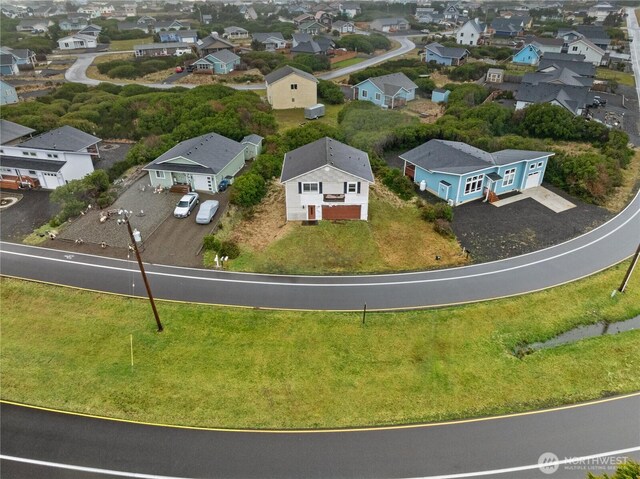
326	180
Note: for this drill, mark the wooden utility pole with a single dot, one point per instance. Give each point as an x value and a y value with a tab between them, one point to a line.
144	275
627	276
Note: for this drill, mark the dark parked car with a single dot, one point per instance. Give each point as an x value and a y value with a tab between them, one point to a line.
224	184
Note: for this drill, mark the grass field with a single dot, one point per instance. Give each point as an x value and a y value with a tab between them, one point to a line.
621	77
126	45
226	367
387	242
346	63
288	119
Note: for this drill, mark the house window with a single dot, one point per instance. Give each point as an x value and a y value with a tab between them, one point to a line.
532	166
473	184
52	155
294	86
309	187
574	49
509	177
363	93
33	153
461	34
25	153
32	172
377	96
352	187
160	174
539	164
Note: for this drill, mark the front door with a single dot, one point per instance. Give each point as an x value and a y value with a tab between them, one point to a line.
311	212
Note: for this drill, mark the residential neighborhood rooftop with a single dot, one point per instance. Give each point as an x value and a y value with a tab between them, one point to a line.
10	131
326	152
280	73
65	138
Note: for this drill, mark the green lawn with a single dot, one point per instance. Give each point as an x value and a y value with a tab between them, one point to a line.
621	77
228	367
346	63
288	119
126	45
384	243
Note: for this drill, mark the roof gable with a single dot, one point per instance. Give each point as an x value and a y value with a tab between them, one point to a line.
65	138
285	71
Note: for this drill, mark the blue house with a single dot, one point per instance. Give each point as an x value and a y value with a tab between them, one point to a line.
434	52
387	91
220	63
458	173
8	95
529	55
439	95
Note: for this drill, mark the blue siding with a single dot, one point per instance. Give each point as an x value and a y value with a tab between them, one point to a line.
432	57
456	191
371	90
440	97
222	68
7	94
529	55
6	70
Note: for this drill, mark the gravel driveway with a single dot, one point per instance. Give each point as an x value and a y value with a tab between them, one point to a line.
491	233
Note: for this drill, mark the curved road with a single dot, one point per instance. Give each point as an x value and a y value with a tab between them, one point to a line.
39	443
77	73
600	248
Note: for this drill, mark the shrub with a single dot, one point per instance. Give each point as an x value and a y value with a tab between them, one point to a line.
439	211
230	249
210	242
123	71
248	190
398	183
106	199
330	93
443	228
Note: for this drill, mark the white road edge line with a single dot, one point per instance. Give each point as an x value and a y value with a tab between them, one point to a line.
365	284
95	470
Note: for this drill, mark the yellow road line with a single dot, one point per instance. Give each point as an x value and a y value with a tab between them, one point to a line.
315	431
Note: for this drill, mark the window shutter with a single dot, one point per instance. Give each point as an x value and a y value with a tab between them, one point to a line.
320	187
299	187
358	187
345	187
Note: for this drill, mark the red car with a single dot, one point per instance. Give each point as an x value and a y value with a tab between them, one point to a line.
179	69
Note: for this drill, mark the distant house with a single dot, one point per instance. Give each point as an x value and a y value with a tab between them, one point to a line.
592	53
350	9
34	25
509	27
22	56
201	163
459	173
305	43
451	13
597	34
556	75
388	91
8	64
253	146
235	33
435	18
434	52
220	63
213	43
289	87
77	41
131	26
180	36
545	44
326	180
166	25
440	95
573	98
73	23
495	75
206	19
12	133
8	95
471	33
249	13
602	10
528	55
162	49
272	41
312	28
48	160
343	27
548	65
91	30
390	25
303	18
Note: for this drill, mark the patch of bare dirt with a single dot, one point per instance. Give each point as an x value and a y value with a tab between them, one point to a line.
382	192
427	110
196	79
440	80
268	223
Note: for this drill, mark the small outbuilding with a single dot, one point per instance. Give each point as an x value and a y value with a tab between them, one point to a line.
439	95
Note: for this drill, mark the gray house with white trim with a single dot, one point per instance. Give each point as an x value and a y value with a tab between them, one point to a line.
200	162
326	180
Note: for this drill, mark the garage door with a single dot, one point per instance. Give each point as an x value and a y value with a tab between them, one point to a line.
202	183
341	212
51	181
532	180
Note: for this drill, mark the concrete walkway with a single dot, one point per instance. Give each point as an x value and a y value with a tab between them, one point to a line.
555	203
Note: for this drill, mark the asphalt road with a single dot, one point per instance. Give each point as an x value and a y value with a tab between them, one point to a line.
582	256
77	73
507	447
634	46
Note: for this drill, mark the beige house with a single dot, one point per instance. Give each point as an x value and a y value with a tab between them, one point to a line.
289	88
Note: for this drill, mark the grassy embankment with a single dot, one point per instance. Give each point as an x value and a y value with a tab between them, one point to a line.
227	367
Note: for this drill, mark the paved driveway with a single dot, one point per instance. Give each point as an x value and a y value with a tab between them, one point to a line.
32	211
